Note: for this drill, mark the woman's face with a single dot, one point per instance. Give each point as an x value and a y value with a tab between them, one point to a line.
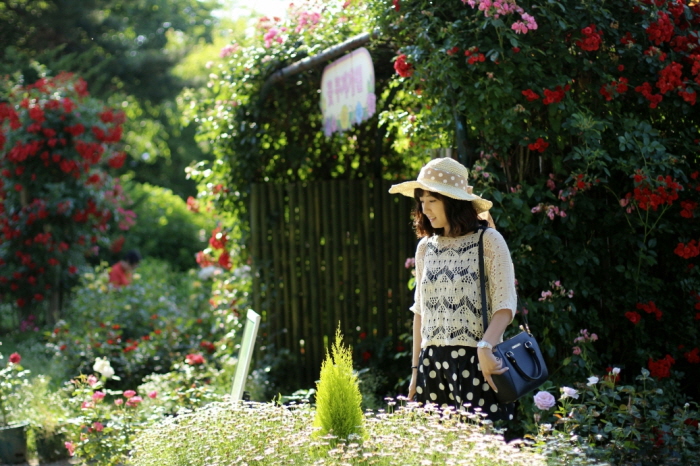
434	209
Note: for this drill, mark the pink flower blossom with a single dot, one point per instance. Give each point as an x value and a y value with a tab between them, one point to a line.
118	402
577	350
228	50
134	401
98	426
519	27
544	400
87	405
70	447
92	380
98	396
153	394
129	393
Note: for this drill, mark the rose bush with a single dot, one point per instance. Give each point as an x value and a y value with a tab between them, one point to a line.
58	202
583	130
12	378
143	328
105	422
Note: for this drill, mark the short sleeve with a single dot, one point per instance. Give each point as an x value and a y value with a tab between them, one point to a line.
499	269
420	260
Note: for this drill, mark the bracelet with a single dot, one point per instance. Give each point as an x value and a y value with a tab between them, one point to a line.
414	367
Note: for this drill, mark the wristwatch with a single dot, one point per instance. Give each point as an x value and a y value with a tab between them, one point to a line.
484	344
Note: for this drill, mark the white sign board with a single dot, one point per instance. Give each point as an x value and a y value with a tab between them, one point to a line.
347	92
250	331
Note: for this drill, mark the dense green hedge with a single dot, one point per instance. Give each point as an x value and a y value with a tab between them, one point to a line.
165	228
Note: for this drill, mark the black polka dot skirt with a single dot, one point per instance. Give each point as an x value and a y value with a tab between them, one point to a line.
451	376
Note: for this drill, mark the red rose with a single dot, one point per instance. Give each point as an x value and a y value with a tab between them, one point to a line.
15	358
194	359
633	317
402	67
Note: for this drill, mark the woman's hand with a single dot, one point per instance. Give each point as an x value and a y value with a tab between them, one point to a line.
490	365
412	386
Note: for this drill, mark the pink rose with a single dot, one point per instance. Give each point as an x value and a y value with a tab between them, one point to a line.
118	402
153	394
98	396
134	401
98	426
129	393
92	380
70	447
577	350
544	400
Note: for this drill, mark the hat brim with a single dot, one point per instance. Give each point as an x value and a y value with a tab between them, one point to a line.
408	188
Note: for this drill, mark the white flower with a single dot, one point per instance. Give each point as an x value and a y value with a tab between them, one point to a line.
544	400
568	392
103	367
206	273
592	381
615	370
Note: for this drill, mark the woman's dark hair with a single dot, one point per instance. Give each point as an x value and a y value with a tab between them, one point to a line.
461	216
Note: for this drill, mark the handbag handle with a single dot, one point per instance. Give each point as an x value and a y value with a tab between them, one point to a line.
514	362
482	282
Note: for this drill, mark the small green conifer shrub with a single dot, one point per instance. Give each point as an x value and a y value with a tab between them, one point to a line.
338	398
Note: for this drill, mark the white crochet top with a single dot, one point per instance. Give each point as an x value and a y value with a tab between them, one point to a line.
448	295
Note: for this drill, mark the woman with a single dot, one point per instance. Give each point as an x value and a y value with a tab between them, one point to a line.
453	362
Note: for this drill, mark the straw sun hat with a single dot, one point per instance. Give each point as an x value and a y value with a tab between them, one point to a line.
447	177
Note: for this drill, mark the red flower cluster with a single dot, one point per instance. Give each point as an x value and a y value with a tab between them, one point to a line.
203	260
225	261
452	51
670	77
689	95
402	67
540	145
633	317
194	359
208	346
474	55
645	90
687	251
192	204
650	308
614	88
627	39
661	30
661	368
665	193
43	126
591	39
218	240
581	184
530	95
397	5
556	95
692	356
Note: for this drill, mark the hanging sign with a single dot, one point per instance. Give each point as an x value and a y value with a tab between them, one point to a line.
347	92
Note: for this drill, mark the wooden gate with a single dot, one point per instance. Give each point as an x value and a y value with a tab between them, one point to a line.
326	253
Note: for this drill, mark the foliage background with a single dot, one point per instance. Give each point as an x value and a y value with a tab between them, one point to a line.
572	154
562	133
